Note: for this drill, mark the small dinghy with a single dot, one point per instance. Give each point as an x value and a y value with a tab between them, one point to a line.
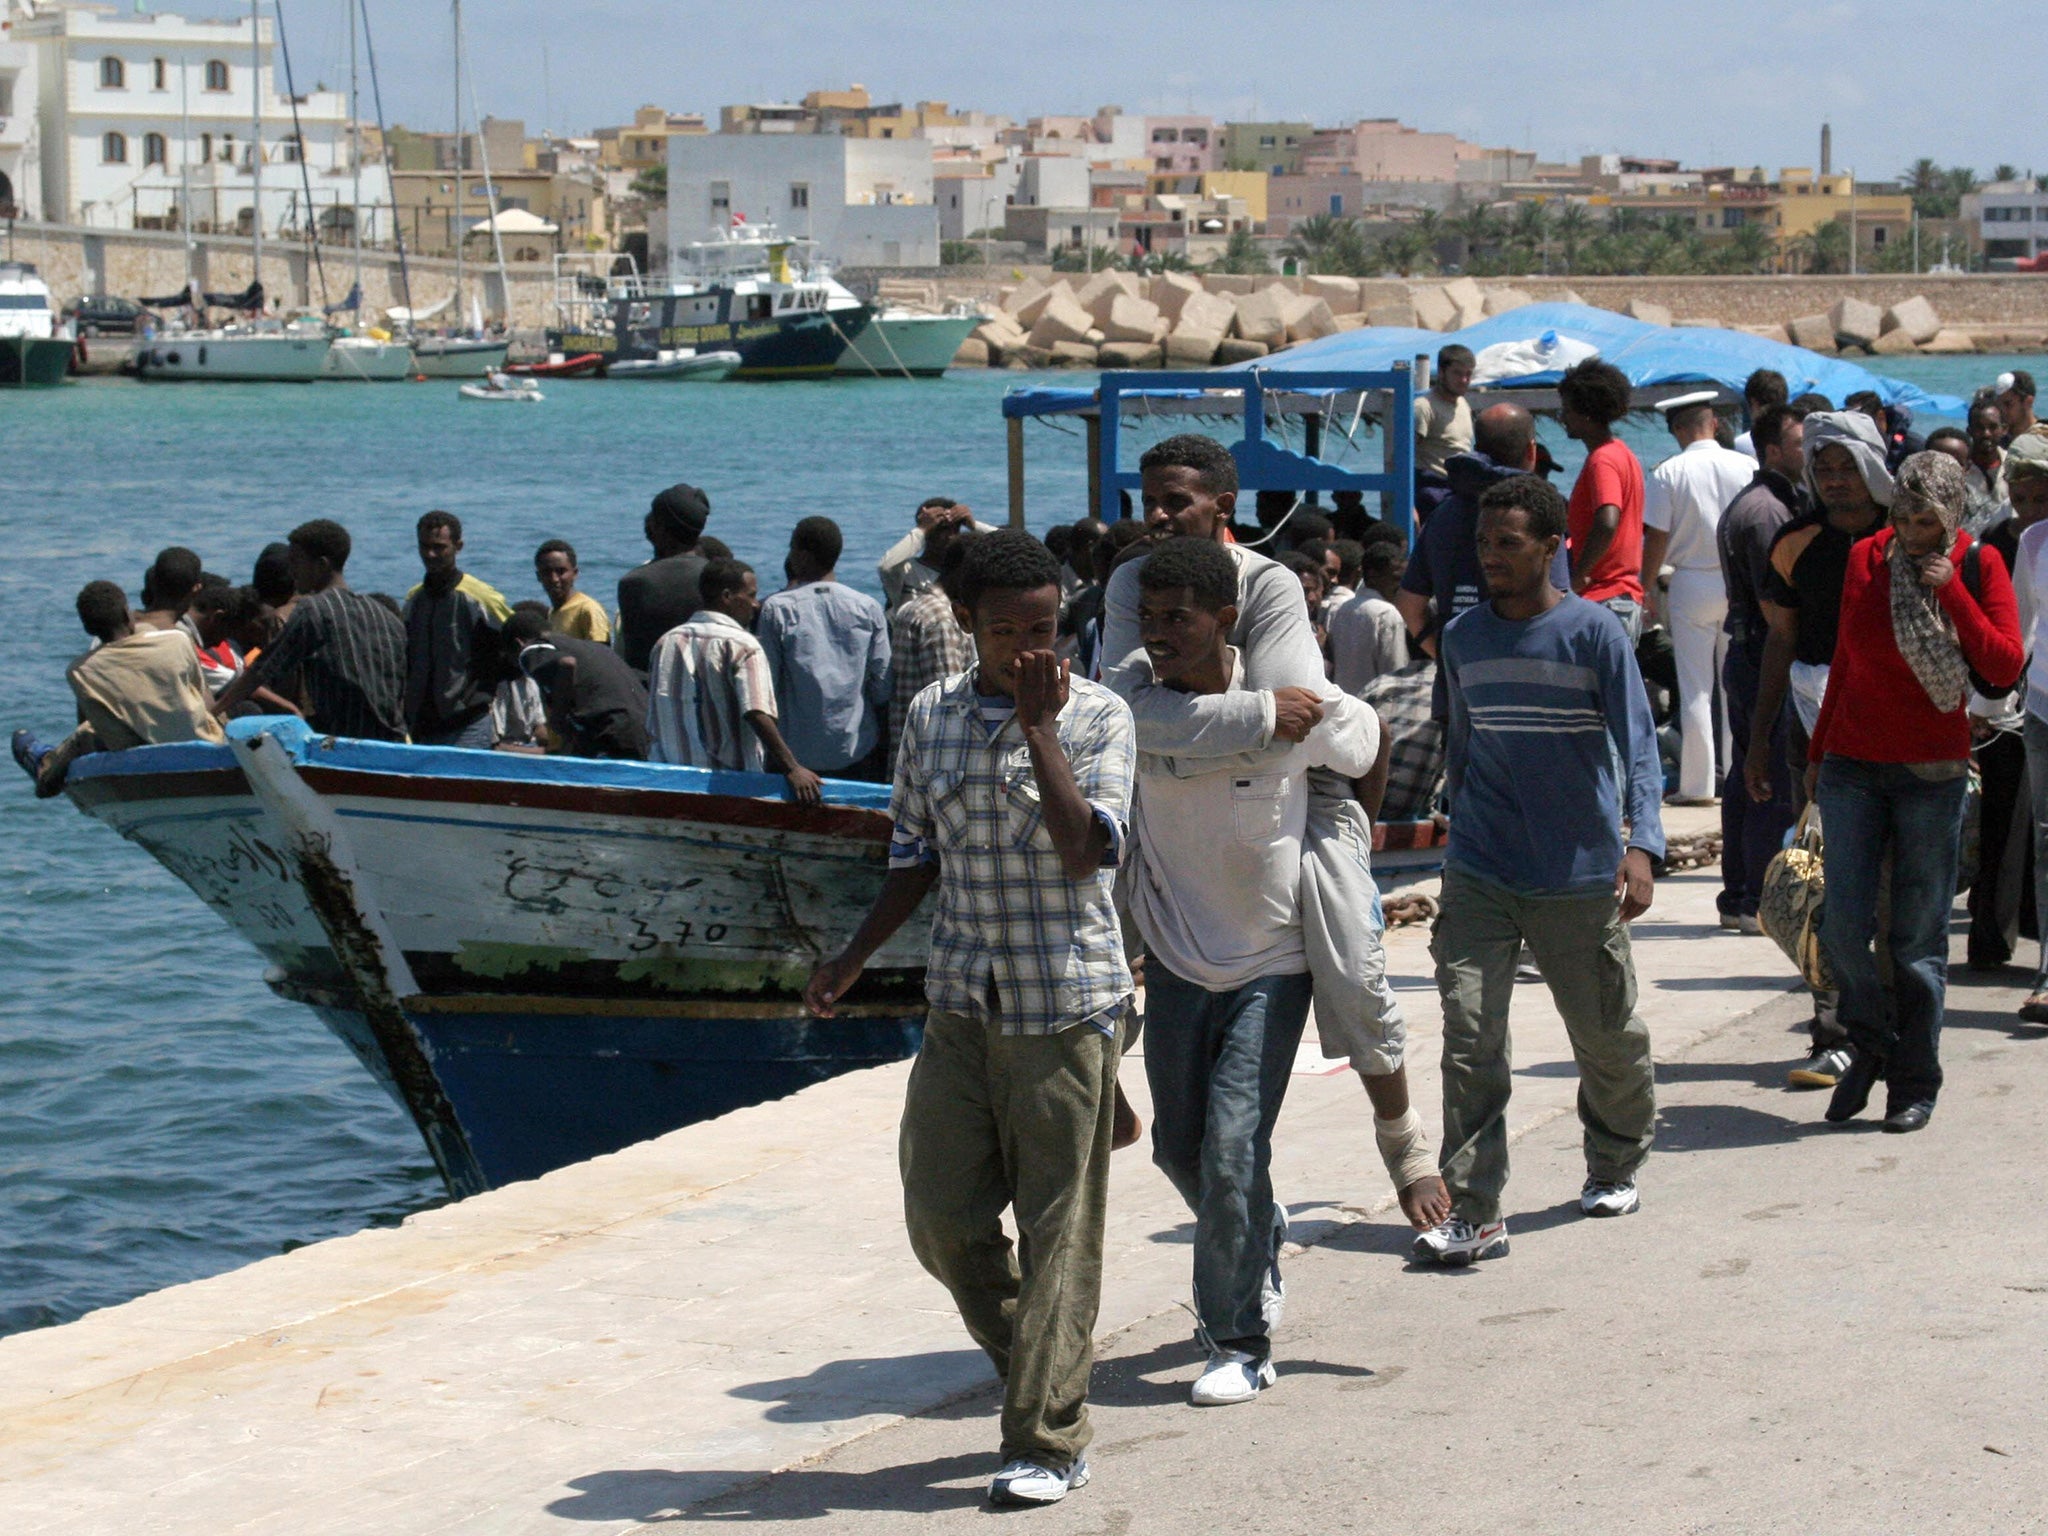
687	365
502	386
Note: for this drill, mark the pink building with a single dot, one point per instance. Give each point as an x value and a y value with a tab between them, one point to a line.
1183	145
1384	149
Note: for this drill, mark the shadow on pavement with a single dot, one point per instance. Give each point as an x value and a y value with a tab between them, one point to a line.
851	1389
1759	1074
1726	1127
654	1496
1777	983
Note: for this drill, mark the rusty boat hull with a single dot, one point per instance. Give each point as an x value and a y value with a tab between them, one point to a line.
541	959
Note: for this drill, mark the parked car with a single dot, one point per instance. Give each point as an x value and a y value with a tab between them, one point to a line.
109	316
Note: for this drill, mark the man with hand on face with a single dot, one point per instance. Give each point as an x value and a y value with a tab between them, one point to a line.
1012	796
1550	748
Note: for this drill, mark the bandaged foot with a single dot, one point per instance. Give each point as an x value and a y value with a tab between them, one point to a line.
1411	1164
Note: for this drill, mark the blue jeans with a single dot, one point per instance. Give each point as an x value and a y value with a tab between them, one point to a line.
1865	808
1751	834
1218	1064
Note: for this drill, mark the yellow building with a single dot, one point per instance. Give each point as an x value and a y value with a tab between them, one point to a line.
427	211
1248	187
1805	201
642	144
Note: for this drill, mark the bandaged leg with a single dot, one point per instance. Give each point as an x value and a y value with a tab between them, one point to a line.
1405	1149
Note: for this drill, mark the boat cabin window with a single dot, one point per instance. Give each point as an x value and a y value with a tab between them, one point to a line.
759	306
216	75
113	74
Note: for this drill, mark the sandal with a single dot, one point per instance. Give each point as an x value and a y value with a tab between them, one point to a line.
2035	1009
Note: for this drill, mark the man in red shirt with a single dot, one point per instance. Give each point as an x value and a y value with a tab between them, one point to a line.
1605	514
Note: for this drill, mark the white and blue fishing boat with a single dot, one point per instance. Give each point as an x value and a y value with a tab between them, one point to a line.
541	959
770	299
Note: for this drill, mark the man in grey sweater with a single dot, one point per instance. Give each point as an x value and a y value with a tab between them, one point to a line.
1190	490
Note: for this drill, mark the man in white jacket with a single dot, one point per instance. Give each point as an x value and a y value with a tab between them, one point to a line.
1190	491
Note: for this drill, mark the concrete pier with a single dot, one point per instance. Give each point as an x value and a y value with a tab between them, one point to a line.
1804	1328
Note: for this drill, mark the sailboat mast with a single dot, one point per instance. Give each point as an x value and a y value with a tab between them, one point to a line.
256	135
457	6
355	159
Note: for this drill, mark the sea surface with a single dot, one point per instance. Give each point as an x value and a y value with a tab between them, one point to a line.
163	1116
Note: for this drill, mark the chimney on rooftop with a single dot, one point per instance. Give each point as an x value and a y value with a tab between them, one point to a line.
1827	149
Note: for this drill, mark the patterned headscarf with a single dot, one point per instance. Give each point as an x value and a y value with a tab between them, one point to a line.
1925	635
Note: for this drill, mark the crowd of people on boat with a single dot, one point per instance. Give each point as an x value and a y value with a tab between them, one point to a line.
1157	749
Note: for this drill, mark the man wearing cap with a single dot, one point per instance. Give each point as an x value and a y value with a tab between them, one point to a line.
1682	505
2014	394
654	598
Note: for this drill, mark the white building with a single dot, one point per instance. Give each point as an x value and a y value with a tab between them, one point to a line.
867	202
2011	219
139	116
21	171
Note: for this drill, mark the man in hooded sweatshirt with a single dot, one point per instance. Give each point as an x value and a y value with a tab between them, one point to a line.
1844	462
1442	579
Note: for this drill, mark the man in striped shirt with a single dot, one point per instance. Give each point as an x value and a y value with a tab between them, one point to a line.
1550	746
710	696
347	650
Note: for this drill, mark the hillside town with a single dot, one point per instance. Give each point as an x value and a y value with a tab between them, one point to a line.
140	120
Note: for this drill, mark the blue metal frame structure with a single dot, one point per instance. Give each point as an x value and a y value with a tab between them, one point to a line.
1261	466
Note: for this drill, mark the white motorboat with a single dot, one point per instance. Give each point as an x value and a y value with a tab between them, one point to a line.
32	349
502	386
900	343
366	359
688	365
291	356
458	357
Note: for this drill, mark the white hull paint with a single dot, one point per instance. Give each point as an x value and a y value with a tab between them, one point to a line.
230	358
896	342
680	367
364	359
457	358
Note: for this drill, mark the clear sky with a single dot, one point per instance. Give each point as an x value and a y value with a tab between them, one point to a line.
1739	81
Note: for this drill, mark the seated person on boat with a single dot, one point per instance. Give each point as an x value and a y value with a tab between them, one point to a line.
138	687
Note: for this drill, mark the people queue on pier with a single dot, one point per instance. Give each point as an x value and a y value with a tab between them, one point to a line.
1151	742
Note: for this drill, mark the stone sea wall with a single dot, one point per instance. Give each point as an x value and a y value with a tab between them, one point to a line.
132	263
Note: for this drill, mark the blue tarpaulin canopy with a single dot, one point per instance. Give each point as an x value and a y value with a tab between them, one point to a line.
1650	355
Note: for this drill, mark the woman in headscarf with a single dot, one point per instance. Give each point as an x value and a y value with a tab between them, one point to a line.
1922	614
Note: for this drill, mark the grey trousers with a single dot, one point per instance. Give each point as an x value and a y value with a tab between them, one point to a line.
1018	1122
1581	946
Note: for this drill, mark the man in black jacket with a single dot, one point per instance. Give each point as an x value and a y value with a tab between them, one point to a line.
654	598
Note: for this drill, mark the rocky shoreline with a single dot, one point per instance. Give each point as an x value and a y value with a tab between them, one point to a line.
1186	320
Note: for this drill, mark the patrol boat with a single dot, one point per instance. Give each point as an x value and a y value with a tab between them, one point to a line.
771	300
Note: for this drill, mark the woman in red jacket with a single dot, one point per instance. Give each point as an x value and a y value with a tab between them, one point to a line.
1892	747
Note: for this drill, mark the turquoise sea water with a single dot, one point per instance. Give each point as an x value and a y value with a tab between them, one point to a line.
162	1116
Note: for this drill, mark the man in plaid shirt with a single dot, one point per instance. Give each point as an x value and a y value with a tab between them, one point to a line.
926	641
1415	737
1013	797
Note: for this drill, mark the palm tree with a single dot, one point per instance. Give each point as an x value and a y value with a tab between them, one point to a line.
1405	250
1750	247
1242	254
2002	172
1475	228
1325	242
1826	250
1574	223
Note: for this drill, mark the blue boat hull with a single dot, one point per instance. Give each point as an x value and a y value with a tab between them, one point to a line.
535	1090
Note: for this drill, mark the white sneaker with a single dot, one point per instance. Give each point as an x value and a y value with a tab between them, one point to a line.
1232	1377
1600	1198
1027	1483
1273	1300
1456	1242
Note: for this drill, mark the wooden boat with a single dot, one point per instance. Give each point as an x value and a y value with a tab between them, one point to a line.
541	959
582	366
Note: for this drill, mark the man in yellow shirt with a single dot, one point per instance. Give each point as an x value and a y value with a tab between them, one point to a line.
576	614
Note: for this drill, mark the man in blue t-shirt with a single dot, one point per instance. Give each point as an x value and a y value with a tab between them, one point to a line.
1549	749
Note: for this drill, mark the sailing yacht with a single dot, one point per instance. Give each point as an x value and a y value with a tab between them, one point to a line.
248	352
375	356
476	355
